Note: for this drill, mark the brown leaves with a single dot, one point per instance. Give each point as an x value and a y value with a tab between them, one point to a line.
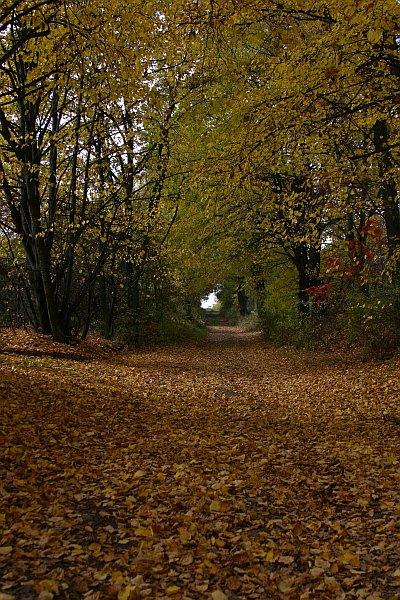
220	506
164	489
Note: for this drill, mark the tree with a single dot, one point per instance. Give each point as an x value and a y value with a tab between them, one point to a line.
80	146
301	124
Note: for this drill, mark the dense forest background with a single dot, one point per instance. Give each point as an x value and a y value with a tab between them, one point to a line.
154	151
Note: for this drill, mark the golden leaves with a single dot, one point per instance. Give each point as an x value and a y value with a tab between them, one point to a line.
139	474
220	506
374	35
286	585
172	589
284	490
128	593
146	532
125	593
350	558
46	588
184	535
219	595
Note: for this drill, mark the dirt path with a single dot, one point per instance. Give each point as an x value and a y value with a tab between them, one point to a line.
227	333
222	470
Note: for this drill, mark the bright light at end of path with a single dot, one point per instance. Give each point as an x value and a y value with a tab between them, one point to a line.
209	301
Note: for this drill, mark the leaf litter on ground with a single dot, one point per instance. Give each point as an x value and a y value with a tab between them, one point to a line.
225	469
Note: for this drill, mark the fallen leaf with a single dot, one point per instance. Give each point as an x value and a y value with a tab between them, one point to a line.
47	585
219	506
286	585
45	595
317	519
317	572
126	593
144	531
285	560
219	595
172	589
350	558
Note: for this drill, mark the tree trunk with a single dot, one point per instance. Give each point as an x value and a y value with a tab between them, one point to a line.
388	188
307	260
107	298
45	293
242	298
58	332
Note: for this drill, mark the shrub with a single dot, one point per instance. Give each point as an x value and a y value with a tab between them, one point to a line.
231	315
251	322
373	324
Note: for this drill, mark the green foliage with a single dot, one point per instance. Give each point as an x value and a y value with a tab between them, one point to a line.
279	313
250	322
231	315
172	328
175	331
227	297
372	324
277	303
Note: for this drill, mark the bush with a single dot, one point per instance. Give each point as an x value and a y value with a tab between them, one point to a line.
231	315
280	320
283	324
250	322
173	328
287	330
177	331
373	324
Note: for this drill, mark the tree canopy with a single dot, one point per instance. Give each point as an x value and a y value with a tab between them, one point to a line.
149	151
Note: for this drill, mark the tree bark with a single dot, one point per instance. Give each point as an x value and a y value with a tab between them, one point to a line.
388	188
307	260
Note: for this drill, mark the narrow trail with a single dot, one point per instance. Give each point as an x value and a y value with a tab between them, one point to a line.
226	333
225	469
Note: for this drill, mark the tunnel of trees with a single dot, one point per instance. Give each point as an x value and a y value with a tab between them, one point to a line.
153	150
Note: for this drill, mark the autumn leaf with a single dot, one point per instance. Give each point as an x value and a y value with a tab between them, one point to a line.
350	558
47	586
320	511
139	474
219	595
374	35
219	506
172	589
127	593
144	531
286	585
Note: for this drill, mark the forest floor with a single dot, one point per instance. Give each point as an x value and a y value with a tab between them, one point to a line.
224	469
